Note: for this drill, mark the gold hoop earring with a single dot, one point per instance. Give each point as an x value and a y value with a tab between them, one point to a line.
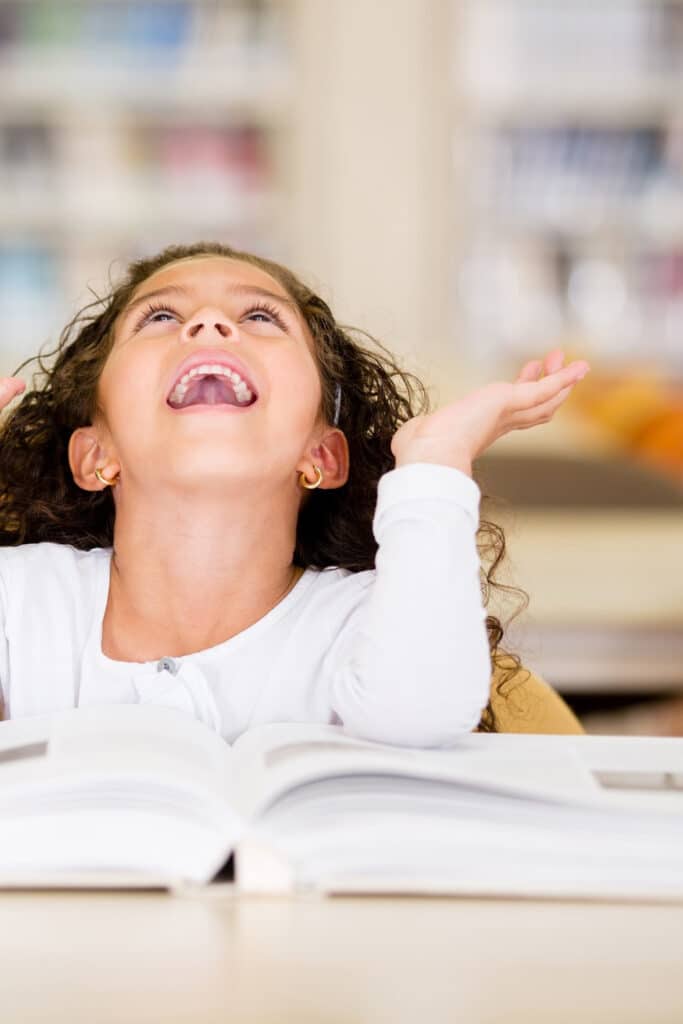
311	487
104	480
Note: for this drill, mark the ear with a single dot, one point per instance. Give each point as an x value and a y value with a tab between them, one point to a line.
331	454
85	455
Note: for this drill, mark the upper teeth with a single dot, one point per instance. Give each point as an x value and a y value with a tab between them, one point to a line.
241	389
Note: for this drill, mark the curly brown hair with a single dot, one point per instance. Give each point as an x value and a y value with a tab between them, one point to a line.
40	501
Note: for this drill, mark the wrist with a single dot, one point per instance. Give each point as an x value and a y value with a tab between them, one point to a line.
443	457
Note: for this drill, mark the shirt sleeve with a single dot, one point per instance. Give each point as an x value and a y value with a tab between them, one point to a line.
4	646
412	666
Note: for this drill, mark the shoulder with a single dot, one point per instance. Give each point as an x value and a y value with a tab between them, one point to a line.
46	562
332	600
336	586
327	617
522	701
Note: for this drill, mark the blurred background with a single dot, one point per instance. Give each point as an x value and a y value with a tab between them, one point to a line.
472	181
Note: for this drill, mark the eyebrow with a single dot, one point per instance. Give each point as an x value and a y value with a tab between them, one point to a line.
235	289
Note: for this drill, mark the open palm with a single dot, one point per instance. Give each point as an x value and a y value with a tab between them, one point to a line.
460	432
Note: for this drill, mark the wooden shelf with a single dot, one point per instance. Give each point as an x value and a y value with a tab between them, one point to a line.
57	86
603	101
127	214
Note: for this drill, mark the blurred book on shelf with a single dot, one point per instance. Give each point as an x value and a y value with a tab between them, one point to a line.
126	127
149	51
568	167
552	53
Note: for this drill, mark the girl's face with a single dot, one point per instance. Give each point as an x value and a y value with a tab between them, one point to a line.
204	311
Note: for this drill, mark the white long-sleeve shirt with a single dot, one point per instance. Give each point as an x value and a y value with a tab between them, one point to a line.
398	654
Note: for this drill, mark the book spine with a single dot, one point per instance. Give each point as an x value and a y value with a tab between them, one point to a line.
260	870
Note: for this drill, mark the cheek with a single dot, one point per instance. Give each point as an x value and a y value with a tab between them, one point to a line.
297	384
127	396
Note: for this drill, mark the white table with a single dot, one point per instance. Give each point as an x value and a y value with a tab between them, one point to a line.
99	958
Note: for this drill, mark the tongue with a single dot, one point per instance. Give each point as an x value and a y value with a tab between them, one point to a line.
209	391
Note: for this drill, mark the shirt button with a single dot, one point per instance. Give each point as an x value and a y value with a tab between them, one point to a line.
168	665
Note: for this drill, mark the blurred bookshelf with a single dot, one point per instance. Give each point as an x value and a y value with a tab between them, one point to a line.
568	154
125	127
567	179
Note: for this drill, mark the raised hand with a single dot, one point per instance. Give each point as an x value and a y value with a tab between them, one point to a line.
10	387
458	433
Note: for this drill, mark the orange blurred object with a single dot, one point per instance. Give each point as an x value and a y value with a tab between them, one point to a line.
622	405
661	442
642	410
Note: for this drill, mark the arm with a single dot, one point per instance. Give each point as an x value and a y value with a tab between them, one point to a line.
418	671
4	653
413	665
10	387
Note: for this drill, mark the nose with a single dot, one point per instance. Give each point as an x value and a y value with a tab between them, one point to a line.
206	323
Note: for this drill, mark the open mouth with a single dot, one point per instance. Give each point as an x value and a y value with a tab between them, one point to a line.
210	385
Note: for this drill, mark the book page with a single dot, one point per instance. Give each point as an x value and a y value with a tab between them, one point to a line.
118	790
273	759
128	741
507	814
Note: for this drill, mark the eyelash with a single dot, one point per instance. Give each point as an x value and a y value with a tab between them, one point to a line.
258	307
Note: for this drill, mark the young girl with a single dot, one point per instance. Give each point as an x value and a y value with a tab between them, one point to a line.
217	500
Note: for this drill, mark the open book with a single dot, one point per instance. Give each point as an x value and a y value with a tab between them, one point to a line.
136	795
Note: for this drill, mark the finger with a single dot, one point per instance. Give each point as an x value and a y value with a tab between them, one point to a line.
530	371
541	413
527	395
554	361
